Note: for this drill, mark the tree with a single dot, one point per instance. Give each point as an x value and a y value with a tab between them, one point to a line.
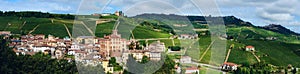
112	62
167	67
175	48
145	59
13	64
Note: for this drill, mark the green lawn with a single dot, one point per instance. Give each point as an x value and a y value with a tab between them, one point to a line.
143	33
46	27
55	29
240	56
104	29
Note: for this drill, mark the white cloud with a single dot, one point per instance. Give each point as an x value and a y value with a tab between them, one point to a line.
275	16
39	5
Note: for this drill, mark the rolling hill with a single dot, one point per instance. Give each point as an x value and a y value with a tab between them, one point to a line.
274	44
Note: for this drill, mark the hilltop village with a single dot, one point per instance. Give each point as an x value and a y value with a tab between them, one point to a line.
90	50
87	49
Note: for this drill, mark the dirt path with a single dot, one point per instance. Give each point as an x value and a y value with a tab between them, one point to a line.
22	25
33	29
257	58
228	53
185	49
70	35
92	33
239	34
132	34
206	51
173	42
252	30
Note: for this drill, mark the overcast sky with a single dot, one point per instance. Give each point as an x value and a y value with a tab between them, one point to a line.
258	12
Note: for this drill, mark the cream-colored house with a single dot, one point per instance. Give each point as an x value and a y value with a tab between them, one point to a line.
250	48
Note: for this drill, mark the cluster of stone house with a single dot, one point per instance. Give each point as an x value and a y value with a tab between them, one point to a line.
92	50
88	50
32	44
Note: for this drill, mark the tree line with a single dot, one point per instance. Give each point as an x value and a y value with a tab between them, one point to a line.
36	14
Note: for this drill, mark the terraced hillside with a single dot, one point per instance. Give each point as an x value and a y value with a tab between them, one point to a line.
26	25
271	47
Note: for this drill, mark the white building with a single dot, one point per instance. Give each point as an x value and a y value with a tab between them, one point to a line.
155	49
192	70
185	59
250	48
229	66
188	36
42	48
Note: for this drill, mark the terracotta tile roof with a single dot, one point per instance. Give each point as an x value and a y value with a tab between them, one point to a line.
192	68
249	46
230	64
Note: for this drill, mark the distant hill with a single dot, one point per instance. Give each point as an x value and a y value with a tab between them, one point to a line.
279	29
228	20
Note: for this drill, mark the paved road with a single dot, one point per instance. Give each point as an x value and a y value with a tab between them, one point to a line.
153	39
207	65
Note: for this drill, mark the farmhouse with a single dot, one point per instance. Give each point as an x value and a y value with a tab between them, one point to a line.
227	66
188	36
250	48
192	70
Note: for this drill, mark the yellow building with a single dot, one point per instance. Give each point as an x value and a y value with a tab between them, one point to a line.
107	69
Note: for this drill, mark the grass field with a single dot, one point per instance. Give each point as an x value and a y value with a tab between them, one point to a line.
240	56
204	70
24	25
104	29
276	53
251	33
142	33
